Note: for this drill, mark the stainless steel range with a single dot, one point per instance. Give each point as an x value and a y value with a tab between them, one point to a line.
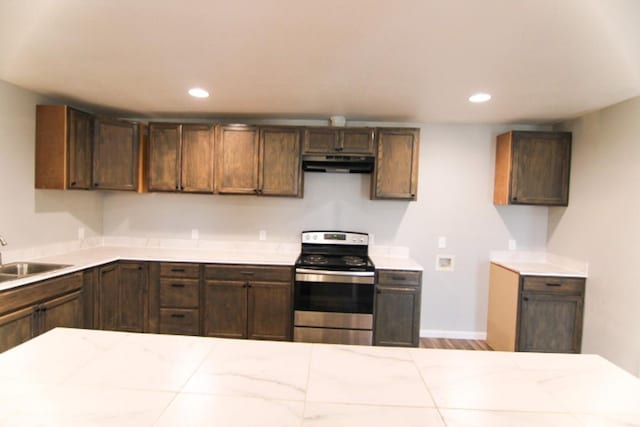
334	289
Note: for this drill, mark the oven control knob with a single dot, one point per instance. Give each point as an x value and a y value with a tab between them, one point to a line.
315	237
306	237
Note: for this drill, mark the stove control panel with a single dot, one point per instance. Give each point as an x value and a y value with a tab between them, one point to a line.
335	238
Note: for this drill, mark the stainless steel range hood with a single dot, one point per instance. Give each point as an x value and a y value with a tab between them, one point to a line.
338	163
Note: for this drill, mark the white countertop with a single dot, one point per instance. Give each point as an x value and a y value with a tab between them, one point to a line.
91	257
86	378
539	269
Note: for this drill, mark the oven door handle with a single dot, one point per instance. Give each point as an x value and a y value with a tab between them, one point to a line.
322	276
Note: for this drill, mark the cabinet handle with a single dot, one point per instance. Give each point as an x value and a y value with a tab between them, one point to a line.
248	285
413	195
177	270
514	198
73	184
247	273
177	285
398	278
378	291
555	285
95	184
526	298
179	316
177	188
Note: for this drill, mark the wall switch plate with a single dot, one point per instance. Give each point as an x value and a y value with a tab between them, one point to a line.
442	242
195	234
445	262
80	233
262	235
512	245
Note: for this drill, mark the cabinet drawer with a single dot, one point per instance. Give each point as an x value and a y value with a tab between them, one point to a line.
173	269
23	296
563	285
399	278
179	293
248	273
179	321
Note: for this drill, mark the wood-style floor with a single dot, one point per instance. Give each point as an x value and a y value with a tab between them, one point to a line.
454	344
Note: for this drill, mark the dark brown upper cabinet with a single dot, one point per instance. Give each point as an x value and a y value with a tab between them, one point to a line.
344	140
116	155
280	167
532	168
396	170
263	161
180	158
63	148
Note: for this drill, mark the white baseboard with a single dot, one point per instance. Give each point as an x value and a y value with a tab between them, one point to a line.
464	335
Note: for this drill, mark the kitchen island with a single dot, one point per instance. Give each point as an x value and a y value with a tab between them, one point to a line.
81	377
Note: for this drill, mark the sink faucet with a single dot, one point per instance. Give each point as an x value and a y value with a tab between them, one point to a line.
2	243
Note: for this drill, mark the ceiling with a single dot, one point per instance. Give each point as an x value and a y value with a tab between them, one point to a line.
412	61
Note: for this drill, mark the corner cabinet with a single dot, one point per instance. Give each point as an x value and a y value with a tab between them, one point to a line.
123	297
33	309
117	156
532	168
396	169
397	308
63	148
180	158
248	301
262	161
534	313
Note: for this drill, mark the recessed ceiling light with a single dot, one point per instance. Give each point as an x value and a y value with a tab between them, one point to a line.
479	97
196	92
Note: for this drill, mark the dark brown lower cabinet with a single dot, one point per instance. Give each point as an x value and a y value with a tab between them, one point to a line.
248	302
551	318
123	302
31	310
397	308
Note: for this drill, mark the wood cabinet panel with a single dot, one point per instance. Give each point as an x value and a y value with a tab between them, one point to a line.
280	166
109	299
164	161
179	321
179	269
115	155
132	297
321	140
329	140
197	159
16	327
396	170
270	310
532	168
357	141
550	323
237	156
65	311
225	309
80	128
245	273
397	308
179	293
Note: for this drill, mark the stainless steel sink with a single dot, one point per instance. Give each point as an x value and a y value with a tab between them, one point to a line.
16	270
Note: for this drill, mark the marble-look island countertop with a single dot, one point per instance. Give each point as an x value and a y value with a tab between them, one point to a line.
70	377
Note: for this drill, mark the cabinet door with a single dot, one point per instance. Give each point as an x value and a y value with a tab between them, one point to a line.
358	141
269	310
80	137
132	296
65	311
89	297
225	309
237	157
321	140
115	155
280	166
540	170
550	323
197	159
16	327
108	284
396	172
164	162
397	316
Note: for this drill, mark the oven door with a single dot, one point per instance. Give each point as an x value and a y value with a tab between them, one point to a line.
334	291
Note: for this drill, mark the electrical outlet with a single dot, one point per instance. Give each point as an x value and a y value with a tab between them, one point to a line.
512	245
81	233
195	234
442	242
262	235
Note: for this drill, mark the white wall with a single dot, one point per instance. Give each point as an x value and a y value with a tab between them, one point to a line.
454	200
31	217
602	226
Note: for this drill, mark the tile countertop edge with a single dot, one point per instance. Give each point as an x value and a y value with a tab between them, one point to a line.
93	257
